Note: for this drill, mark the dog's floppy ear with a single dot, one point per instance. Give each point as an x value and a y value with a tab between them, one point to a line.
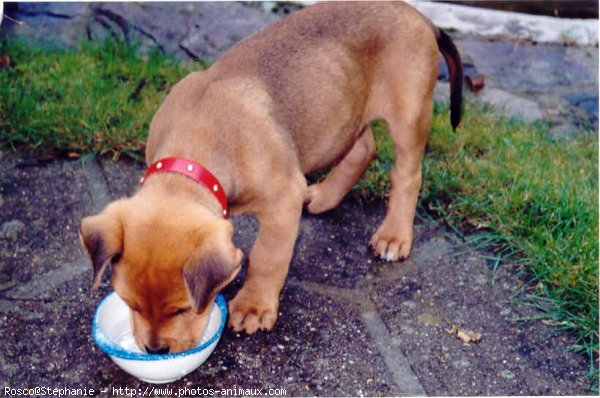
102	239
205	276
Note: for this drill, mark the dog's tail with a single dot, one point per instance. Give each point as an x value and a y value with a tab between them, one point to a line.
452	58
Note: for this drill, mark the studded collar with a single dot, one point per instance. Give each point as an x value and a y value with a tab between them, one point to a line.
192	170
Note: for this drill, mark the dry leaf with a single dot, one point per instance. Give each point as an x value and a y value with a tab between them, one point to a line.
552	322
467	336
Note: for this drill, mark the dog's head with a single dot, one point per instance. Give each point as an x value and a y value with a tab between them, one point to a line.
168	263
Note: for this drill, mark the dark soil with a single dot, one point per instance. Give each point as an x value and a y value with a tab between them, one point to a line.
322	343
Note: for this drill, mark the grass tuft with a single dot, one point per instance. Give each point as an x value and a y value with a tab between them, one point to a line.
100	98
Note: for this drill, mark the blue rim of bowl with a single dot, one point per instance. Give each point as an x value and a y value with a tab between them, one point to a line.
113	349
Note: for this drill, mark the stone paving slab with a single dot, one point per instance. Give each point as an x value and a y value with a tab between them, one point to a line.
348	325
553	81
530	68
122	177
185	30
520	26
310	351
45	201
512	358
47	336
550	82
333	248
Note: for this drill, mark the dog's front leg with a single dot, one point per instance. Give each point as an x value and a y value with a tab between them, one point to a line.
256	304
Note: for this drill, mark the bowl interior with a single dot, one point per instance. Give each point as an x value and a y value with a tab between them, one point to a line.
112	330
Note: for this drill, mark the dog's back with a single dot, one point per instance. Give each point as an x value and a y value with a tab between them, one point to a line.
321	67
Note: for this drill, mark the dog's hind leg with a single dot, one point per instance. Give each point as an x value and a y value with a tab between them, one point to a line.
393	240
329	193
402	95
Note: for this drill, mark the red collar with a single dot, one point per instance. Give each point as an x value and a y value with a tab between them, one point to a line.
193	170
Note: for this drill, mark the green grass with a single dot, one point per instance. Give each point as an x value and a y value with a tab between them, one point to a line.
82	101
500	181
513	189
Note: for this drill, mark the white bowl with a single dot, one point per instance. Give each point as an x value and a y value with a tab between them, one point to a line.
112	333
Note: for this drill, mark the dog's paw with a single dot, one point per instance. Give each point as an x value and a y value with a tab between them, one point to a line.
319	200
250	312
391	245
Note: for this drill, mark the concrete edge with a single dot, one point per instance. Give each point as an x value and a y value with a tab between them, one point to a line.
395	361
514	25
397	364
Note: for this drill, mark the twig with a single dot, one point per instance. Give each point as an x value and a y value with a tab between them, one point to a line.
20	23
136	94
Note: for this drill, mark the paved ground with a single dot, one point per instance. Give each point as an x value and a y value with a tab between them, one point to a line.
349	324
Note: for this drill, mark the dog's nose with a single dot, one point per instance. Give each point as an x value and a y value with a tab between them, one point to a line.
157	350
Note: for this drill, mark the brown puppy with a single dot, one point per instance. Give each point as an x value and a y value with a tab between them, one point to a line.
287	101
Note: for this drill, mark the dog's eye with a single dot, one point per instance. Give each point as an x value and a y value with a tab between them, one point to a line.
180	311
